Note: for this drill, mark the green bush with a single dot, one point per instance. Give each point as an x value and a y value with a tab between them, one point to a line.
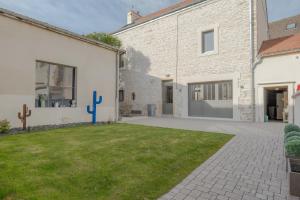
293	148
291	127
295	137
4	126
291	134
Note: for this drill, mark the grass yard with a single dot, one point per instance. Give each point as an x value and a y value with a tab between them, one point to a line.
118	161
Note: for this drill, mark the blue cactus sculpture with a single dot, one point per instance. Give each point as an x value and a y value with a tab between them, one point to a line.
95	103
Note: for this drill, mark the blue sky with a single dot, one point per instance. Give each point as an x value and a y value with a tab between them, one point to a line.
85	16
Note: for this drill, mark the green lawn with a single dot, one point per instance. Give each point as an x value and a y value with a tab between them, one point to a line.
117	161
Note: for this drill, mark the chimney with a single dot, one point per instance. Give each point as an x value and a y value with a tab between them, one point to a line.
132	16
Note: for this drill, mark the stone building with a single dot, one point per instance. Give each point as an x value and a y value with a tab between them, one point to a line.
193	59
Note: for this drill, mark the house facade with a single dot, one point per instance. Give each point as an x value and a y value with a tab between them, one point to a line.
193	59
54	72
277	80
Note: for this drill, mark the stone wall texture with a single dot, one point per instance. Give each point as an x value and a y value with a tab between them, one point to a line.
168	49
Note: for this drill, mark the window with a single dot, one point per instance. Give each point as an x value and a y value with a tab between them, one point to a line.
225	91
169	94
212	91
121	95
208	41
122	61
55	85
291	26
133	96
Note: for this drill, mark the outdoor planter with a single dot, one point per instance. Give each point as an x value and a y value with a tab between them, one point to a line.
294	176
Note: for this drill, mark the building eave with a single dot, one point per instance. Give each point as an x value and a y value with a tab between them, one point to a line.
134	25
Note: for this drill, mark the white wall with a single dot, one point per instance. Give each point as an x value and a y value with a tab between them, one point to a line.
277	71
22	44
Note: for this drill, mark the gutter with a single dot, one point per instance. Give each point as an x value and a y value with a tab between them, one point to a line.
252	64
118	58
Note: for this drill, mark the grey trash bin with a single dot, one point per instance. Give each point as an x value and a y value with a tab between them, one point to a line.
151	110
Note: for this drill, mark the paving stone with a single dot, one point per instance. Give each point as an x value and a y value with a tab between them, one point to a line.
250	167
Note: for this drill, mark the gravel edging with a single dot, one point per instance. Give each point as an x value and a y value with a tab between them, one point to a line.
33	129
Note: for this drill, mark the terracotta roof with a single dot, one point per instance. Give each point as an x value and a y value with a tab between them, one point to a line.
279	28
43	25
283	45
173	8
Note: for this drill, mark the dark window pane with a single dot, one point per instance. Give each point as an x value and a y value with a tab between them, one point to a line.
121	95
213	97
58	88
207	41
41	84
169	95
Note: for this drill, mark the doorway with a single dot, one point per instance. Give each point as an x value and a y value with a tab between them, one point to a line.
167	97
276	107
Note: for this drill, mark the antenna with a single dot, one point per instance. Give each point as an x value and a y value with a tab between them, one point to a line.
131	3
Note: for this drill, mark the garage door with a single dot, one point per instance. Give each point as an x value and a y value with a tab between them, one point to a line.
211	99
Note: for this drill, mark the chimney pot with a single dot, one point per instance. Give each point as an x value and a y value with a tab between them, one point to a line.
132	16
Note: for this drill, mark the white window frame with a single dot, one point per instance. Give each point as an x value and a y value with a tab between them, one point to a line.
291	28
74	84
123	62
214	28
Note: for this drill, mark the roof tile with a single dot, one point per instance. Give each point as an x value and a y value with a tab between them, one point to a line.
280	45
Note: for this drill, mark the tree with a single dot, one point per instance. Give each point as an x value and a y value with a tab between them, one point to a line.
105	38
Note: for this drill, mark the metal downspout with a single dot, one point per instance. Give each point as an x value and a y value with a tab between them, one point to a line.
117	87
252	58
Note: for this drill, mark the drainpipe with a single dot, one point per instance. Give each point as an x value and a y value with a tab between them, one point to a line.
118	54
254	65
252	57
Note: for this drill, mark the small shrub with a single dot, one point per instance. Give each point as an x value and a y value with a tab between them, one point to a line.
293	148
291	127
4	126
291	134
296	137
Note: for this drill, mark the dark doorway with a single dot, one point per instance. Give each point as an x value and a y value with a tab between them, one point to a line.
276	107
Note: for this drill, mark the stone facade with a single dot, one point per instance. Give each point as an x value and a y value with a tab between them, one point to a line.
168	49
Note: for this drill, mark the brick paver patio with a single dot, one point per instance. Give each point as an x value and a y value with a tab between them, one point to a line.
250	166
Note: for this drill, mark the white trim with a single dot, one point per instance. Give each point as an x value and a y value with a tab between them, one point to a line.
202	30
260	99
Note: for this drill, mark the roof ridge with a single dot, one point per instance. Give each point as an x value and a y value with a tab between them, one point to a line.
162	12
284	19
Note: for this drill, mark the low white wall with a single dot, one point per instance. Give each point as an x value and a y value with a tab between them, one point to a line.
23	44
